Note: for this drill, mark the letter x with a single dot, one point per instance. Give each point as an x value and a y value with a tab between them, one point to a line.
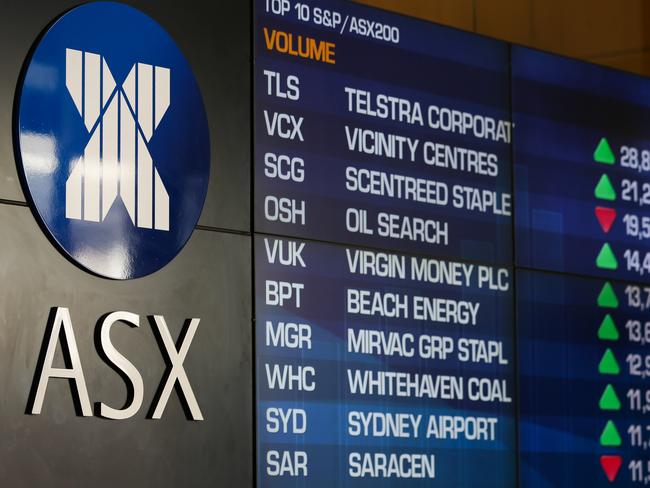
175	371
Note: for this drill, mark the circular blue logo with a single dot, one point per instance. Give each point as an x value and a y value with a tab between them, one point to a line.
113	140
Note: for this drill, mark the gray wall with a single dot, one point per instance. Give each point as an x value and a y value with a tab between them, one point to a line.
210	279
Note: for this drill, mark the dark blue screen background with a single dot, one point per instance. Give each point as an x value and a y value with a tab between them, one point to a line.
549	319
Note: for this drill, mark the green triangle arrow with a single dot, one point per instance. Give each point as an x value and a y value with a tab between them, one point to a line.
603	153
608	364
606	258
609	399
607	330
610	436
607	297
604	189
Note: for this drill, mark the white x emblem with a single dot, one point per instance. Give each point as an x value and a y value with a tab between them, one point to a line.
116	161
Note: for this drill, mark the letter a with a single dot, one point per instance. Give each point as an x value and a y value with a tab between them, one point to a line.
70	351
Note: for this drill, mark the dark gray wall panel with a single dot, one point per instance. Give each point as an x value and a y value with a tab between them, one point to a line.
214	35
210	279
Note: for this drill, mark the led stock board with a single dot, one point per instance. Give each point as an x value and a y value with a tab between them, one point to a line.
450	257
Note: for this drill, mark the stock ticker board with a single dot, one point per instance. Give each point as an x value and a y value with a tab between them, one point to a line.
452	270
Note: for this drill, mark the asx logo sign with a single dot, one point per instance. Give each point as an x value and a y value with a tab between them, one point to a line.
119	121
114	158
60	333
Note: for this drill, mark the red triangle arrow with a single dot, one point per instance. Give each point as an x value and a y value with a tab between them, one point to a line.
606	217
611	465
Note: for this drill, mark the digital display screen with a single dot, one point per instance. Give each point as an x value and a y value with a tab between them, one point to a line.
385	366
402	143
583	396
582	167
450	258
582	159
